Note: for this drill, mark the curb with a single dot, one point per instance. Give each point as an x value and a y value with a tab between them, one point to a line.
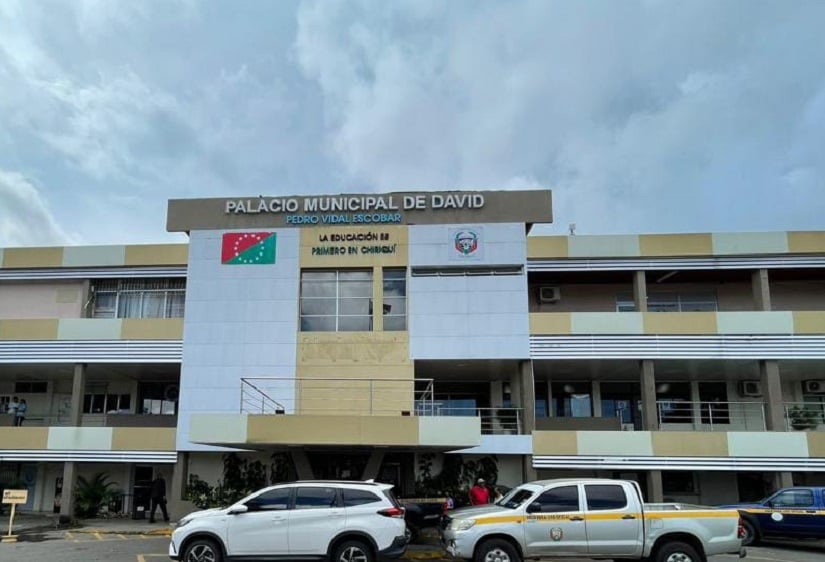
425	555
163	532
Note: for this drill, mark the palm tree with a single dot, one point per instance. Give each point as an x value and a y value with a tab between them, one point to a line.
92	493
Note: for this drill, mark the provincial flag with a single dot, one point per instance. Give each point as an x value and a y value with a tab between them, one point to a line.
240	248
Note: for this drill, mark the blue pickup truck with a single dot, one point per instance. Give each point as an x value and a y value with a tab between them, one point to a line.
797	512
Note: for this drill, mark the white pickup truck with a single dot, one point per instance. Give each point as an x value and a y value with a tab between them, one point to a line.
593	518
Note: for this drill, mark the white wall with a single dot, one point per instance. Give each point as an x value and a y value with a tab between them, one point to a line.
241	321
468	317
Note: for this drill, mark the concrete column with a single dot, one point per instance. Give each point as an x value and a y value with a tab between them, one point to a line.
496	394
180	477
529	474
302	466
528	397
67	495
640	291
772	389
596	389
377	299
760	284
655	490
373	464
78	390
549	399
650	414
782	480
695	397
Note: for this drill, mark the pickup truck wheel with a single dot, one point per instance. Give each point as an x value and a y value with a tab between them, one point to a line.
751	537
677	552
496	550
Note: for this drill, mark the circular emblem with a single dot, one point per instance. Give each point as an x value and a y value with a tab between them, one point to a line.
466	242
777	516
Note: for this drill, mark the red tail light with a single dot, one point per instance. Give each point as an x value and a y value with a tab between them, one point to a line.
395	512
445	507
740	530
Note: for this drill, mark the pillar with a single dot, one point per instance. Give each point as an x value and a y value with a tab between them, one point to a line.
760	283
373	465
640	291
650	413
528	397
496	394
75	418
180	477
696	410
772	390
596	389
529	474
782	480
302	465
655	490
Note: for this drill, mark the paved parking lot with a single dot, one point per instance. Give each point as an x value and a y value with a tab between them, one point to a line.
63	546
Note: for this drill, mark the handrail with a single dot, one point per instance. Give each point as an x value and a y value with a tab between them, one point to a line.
712	415
800	416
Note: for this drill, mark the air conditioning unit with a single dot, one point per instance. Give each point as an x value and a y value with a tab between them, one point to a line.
813	387
750	388
549	294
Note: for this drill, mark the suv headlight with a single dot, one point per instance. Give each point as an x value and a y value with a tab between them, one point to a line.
182	522
462	524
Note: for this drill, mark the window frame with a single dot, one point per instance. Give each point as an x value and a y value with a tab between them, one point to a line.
119	288
337	298
290	491
621	489
793	492
405	297
297	489
556	489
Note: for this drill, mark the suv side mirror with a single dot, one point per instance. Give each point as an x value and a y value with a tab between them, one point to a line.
534	507
238	509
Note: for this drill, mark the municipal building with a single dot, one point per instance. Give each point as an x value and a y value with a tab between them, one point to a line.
379	336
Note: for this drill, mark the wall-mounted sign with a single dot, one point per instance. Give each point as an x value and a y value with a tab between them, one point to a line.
15	496
248	248
444	207
354	244
466	243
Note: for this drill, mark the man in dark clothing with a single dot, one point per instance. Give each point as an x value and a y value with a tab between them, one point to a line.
158	498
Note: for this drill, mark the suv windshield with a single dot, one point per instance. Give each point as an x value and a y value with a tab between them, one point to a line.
515	498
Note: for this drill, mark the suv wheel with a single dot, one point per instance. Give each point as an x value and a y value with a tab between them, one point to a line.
202	550
352	551
497	550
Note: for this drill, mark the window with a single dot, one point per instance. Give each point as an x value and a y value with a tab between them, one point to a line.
679	482
559	500
336	301
671	302
601	497
30	387
353	498
102	403
277	499
315	498
138	298
571	400
395	300
793	498
465	271
158	398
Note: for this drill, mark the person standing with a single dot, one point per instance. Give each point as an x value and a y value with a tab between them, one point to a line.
479	494
20	414
157	495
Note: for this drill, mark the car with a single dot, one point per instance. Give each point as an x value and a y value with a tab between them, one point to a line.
340	521
797	512
589	518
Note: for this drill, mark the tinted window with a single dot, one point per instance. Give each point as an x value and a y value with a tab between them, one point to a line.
605	496
561	499
793	498
358	497
314	498
273	499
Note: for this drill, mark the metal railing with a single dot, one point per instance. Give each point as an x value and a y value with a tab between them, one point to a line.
804	416
287	395
711	416
97	420
494	421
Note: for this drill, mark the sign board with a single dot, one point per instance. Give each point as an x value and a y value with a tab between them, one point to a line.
440	207
15	496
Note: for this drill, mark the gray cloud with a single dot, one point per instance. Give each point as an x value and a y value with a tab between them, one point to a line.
25	217
641	116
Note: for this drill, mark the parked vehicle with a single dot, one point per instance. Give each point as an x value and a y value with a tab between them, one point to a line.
797	512
324	520
422	514
593	518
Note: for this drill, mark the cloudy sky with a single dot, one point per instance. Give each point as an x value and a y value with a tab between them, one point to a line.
647	116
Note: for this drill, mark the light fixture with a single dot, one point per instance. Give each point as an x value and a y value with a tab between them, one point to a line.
662	388
569	388
507	388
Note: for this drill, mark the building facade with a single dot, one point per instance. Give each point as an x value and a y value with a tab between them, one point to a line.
385	336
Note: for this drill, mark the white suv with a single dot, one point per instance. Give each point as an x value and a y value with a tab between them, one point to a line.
337	521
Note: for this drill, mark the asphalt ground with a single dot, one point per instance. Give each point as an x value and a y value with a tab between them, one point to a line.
94	546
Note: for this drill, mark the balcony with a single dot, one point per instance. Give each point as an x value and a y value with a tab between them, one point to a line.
805	416
711	416
95	420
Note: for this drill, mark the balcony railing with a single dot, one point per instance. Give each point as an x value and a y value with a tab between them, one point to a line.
805	416
494	421
711	416
287	395
95	420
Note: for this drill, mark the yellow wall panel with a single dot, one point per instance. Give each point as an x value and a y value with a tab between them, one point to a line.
157	254
356	247
676	244
550	323
33	257
32	329
806	242
143	439
680	322
546	247
555	443
152	329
